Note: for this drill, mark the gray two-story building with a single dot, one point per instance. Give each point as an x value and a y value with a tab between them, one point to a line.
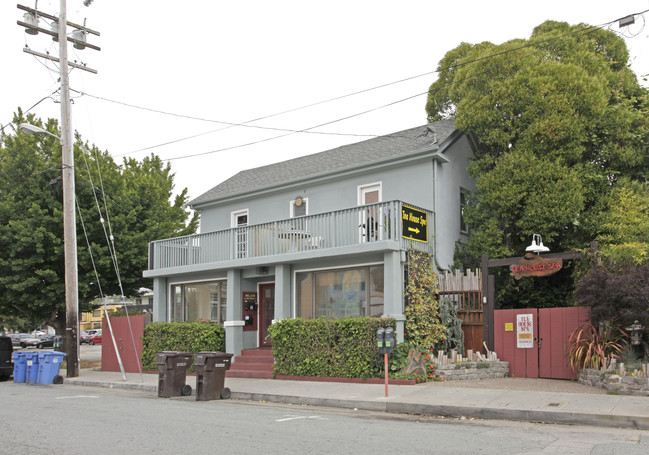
324	235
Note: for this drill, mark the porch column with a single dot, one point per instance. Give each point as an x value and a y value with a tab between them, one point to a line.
234	311
282	291
393	289
160	307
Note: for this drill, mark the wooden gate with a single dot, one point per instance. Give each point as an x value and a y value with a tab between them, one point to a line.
465	290
543	353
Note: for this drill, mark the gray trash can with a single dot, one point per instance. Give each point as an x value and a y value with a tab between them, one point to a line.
172	373
210	375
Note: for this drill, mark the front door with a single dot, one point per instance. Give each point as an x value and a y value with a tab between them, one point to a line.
266	312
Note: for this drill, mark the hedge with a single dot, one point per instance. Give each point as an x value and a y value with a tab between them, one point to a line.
180	336
344	348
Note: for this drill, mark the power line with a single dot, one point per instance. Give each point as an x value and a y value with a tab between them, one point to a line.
553	40
309	130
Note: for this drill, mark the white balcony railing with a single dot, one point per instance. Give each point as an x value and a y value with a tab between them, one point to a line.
365	224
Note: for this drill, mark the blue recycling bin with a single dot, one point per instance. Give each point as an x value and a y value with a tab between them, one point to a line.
20	367
49	364
31	375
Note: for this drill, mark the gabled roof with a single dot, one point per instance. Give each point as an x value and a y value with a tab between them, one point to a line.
347	157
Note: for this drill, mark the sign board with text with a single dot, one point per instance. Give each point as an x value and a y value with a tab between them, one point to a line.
534	265
525	331
414	224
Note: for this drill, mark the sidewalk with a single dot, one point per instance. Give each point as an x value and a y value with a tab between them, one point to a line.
431	399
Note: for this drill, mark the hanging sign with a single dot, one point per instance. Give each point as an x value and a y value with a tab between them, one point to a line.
414	224
524	331
535	265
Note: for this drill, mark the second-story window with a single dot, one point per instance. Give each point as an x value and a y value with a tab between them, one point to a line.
299	207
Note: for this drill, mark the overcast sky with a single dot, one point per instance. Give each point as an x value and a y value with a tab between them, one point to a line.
170	70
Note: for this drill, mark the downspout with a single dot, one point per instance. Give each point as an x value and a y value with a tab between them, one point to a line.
438	158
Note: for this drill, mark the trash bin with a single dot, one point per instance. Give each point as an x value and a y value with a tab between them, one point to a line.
20	367
31	374
210	375
49	364
172	372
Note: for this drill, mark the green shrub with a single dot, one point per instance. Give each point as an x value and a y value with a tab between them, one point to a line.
345	348
180	336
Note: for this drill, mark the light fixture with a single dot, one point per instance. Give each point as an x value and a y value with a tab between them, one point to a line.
537	245
299	201
34	130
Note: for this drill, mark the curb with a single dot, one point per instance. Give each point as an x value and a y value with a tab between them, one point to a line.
564	418
114	385
431	410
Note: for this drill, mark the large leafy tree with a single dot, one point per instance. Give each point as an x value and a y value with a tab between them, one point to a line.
561	120
120	209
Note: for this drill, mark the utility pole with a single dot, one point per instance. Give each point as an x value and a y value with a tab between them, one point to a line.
71	336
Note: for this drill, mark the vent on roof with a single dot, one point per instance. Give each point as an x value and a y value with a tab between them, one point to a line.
431	131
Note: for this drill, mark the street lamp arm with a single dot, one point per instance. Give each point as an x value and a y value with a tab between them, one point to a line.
34	130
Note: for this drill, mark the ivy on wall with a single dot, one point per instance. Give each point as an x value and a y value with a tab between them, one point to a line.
423	326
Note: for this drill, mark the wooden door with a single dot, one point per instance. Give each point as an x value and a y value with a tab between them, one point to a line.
523	362
266	312
555	327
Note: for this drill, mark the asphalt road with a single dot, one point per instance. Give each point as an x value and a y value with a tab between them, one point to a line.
37	419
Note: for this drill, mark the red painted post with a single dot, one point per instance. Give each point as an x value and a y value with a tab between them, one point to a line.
386	374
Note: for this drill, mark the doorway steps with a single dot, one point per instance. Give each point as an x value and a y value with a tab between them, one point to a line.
252	363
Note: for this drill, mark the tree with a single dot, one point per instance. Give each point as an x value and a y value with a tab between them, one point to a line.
560	119
135	202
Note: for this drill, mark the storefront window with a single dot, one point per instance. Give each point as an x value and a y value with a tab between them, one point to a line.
194	301
340	293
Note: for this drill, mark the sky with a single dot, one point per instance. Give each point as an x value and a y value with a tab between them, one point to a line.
174	77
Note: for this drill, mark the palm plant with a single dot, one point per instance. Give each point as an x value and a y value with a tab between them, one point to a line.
593	347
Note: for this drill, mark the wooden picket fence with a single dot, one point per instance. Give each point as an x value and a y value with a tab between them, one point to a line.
465	290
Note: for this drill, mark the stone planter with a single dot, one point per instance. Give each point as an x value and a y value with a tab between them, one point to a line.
473	370
614	383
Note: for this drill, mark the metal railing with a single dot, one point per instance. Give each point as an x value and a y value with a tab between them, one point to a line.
360	225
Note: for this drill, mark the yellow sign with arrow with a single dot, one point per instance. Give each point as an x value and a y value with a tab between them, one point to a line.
414	224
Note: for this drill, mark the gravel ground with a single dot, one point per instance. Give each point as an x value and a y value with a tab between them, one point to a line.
538	385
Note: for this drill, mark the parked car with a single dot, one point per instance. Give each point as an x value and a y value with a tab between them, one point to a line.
95	339
24	340
6	364
46	341
83	337
91	332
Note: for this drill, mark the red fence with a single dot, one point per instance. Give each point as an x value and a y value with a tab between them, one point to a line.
546	357
129	345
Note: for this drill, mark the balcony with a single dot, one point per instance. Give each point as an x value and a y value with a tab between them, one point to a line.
363	228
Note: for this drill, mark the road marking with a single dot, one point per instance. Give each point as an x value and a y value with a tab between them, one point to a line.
300	417
77	396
